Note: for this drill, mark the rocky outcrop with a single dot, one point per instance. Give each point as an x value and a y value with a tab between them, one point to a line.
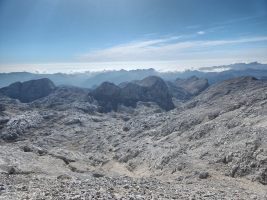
20	125
150	89
30	90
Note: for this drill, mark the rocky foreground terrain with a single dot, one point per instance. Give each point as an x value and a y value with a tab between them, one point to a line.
188	141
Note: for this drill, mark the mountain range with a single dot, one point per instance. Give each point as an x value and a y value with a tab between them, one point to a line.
93	79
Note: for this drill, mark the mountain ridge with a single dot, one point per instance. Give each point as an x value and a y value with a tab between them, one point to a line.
93	79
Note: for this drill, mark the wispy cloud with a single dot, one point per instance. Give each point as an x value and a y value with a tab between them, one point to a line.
160	49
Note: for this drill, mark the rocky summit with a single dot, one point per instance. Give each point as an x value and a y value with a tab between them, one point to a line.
30	90
129	141
150	89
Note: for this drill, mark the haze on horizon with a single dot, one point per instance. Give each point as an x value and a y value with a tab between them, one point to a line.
168	35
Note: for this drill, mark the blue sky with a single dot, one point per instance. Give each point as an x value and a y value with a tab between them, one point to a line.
82	35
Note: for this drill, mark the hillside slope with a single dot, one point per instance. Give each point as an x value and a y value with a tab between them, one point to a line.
213	146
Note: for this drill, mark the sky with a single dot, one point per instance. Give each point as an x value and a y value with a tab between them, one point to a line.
92	35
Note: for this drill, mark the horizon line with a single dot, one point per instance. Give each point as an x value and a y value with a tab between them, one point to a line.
201	69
